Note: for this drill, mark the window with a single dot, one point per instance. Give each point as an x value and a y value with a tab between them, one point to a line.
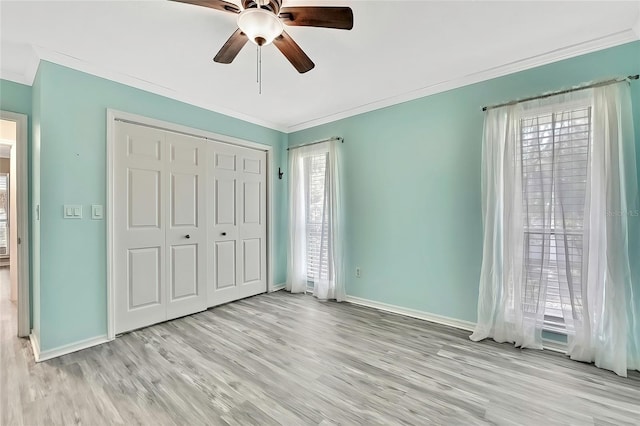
554	151
315	255
317	218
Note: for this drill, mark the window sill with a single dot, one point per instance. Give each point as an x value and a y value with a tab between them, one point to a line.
554	327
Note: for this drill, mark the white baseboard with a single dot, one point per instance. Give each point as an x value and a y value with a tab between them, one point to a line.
278	287
66	349
35	346
84	344
548	344
426	316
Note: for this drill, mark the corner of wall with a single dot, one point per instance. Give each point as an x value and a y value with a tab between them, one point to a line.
283	215
33	66
35	345
35	204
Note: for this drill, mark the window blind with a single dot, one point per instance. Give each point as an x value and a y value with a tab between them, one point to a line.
317	215
554	151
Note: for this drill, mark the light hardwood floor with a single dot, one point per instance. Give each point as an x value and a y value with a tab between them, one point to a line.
289	359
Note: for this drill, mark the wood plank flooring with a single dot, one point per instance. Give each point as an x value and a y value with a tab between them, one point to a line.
292	360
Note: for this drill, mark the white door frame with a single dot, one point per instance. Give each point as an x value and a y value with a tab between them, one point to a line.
112	117
22	196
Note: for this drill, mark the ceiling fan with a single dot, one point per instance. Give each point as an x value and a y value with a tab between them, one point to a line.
262	22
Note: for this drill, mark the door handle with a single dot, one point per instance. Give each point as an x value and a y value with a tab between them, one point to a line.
223	234
187	236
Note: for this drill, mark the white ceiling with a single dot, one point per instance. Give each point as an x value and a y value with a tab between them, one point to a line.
398	50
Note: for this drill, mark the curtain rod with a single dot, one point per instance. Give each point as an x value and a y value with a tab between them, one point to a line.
562	92
334	138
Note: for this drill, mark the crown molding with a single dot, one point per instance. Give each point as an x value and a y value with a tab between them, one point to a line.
27	74
59	58
567	52
40	53
15	77
32	67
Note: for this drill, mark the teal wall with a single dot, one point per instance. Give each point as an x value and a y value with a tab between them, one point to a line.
412	185
16	97
73	105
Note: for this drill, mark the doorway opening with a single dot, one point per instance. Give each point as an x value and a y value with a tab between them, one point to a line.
14	221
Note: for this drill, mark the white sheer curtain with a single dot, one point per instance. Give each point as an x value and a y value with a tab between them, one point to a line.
609	333
500	315
559	180
315	221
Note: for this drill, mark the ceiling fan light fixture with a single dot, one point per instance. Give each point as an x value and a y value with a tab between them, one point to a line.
261	26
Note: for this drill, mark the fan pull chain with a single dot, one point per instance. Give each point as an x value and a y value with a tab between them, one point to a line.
260	70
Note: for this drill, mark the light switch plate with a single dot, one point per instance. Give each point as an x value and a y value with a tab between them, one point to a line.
72	211
97	211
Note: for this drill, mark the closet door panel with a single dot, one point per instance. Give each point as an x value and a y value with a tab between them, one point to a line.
223	223
252	217
139	231
186	230
237	234
190	224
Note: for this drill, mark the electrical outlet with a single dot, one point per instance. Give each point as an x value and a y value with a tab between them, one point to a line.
358	272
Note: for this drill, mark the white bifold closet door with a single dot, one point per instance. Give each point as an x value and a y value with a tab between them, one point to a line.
189	224
237	227
160	226
186	242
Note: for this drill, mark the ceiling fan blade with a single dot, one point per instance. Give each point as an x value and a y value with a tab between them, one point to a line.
213	4
293	53
232	47
320	16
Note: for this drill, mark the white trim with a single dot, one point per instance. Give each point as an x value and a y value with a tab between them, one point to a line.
65	349
554	327
277	287
32	66
605	42
22	196
111	134
270	219
552	345
548	344
35	346
46	54
30	69
115	115
413	313
192	131
15	77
